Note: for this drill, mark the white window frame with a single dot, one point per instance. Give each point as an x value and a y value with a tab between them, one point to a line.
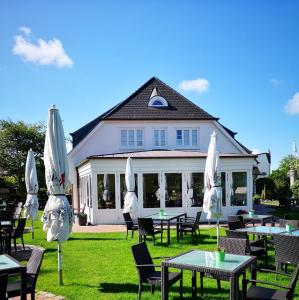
190	146
152	101
159	137
135	146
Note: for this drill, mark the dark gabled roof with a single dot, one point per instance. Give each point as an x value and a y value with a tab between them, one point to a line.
135	107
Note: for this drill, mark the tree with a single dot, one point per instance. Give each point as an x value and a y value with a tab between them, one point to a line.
295	189
287	163
16	138
282	183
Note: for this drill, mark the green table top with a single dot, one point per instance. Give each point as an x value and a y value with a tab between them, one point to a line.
292	233
165	216
256	217
6	262
263	230
199	258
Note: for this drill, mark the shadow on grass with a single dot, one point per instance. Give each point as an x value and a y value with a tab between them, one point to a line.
96	239
106	287
81	285
118	288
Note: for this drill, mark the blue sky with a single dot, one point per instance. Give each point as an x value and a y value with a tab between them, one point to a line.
86	56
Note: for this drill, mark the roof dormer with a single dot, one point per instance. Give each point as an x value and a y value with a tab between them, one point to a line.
156	100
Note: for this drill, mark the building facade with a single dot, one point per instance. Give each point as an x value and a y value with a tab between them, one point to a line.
167	137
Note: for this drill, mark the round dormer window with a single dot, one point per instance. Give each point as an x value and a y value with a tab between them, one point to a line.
157	101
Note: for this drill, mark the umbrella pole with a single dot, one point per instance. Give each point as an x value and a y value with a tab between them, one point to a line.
217	230
32	228
59	264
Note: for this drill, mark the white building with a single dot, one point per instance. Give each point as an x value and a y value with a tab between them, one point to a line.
167	137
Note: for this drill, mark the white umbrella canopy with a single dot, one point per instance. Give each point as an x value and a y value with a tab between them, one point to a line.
212	183
31	204
130	202
57	216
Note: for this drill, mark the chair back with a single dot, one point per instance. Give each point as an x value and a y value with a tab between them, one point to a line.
239	235
34	264
196	220
20	227
284	222
17	212
3	286
6	215
236	218
232	225
128	220
145	226
286	249
142	257
233	245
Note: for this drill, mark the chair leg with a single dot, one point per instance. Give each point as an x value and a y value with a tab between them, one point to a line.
23	242
127	234
154	240
218	285
15	243
181	285
152	288
33	295
132	233
161	237
139	290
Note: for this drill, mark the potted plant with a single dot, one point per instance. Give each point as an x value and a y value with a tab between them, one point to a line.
219	254
82	219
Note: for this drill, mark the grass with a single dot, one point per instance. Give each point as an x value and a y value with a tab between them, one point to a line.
100	266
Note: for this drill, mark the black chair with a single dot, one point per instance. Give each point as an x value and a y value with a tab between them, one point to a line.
236	218
18	232
146	227
229	245
286	250
255	292
33	267
190	225
234	224
129	224
147	272
190	220
251	249
5	239
3	286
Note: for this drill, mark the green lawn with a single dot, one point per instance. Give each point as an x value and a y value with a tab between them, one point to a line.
100	266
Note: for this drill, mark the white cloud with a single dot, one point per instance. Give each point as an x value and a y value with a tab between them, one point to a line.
199	85
275	82
25	30
41	52
255	151
292	107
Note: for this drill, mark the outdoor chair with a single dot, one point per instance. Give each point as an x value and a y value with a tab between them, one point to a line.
3	286
237	218
284	222
18	232
5	239
251	248
286	250
189	220
129	224
229	245
236	224
147	272
255	292
190	225
16	214
146	227
33	267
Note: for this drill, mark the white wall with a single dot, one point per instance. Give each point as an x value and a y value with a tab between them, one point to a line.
105	139
140	166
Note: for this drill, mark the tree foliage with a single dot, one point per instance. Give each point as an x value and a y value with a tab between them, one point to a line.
295	189
16	138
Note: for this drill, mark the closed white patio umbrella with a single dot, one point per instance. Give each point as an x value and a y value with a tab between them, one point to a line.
31	204
57	216
190	184
212	183
130	202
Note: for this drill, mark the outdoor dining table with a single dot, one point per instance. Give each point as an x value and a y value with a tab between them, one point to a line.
9	265
167	217
263	230
292	233
205	262
257	218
